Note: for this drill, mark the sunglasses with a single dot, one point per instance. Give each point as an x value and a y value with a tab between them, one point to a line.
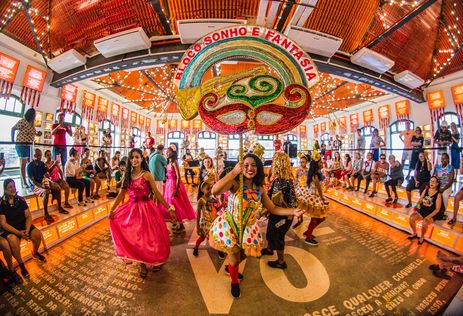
383	158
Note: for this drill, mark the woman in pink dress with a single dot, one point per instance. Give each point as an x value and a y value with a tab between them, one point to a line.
138	229
175	193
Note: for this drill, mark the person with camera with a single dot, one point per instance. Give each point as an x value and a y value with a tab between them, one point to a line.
59	130
421	177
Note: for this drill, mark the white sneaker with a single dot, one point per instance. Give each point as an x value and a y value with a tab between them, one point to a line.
81	204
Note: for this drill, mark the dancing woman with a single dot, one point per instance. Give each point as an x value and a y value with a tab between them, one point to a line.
138	229
235	232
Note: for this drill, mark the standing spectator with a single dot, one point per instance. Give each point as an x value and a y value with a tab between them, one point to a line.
78	135
379	173
406	136
360	142
417	143
376	143
396	176
287	145
337	144
74	178
16	220
316	145
107	140
42	186
185	143
366	172
455	148
323	151
277	143
26	133
421	177
429	206
59	131
56	175
157	166
442	139
446	175
357	167
149	141
132	141
187	168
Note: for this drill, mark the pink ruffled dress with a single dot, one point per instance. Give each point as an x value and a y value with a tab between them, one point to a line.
138	229
181	202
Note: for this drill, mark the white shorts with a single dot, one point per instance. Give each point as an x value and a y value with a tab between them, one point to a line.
407	155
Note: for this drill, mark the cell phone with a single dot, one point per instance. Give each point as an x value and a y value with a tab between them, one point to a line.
2	156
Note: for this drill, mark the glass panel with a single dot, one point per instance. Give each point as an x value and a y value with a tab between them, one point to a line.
11	158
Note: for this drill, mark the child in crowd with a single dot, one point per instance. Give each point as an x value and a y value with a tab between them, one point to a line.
119	173
302	190
207	173
282	194
316	206
207	211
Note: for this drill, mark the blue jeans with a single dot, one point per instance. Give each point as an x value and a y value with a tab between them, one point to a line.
61	151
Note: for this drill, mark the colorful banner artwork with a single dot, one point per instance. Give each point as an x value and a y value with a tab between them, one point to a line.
303	131
68	98
8	69
102	109
368	117
436	103
323	127
33	82
354	122
383	116
88	104
172	125
197	126
342	123
402	110
280	107
115	113
141	122
457	93
148	125
133	119
160	126
185	126
315	130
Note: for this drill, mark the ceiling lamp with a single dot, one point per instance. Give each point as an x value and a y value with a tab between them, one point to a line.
372	60
409	79
67	61
191	31
123	42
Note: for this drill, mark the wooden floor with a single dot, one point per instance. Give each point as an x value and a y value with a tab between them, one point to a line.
361	266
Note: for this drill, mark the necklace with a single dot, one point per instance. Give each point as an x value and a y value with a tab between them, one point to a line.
137	175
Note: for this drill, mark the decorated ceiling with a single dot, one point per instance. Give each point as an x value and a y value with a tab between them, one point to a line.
423	37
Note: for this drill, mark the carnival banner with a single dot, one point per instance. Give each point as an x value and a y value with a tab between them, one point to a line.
402	110
197	126
33	82
125	114
148	125
342	123
315	130
115	112
185	126
383	116
172	125
160	126
102	109
88	104
141	122
8	69
354	122
133	119
436	103
457	93
68	98
303	131
323	127
368	117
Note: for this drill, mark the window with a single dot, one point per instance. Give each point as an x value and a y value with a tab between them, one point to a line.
208	141
177	139
450	117
324	139
137	133
11	111
233	146
267	142
394	134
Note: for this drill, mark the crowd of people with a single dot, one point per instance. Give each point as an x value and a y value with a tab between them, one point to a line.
157	194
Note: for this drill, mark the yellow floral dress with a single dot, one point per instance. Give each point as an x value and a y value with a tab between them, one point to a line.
229	234
308	199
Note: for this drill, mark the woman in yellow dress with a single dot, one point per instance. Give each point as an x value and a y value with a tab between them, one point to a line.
235	232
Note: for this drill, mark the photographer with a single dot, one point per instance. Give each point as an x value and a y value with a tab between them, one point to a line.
59	131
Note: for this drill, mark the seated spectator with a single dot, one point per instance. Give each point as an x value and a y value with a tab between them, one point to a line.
89	172
115	160
421	177
336	169
346	173
16	220
103	171
74	178
396	176
429	206
357	167
379	173
446	175
42	186
456	205
326	171
366	172
56	175
2	163
446	263
118	175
